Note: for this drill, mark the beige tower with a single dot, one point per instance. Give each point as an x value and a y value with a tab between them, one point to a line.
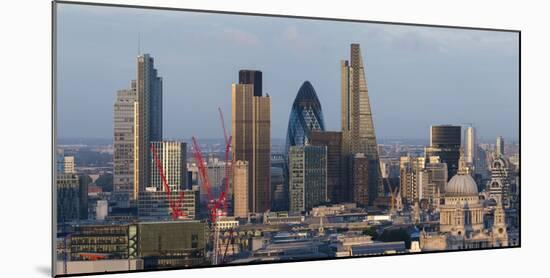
251	127
123	157
240	189
358	134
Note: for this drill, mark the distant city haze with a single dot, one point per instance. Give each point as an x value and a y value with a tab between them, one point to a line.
417	76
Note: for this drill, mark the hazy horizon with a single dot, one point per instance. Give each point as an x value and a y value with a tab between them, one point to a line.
417	76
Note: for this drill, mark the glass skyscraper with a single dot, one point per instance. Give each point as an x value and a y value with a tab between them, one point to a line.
305	116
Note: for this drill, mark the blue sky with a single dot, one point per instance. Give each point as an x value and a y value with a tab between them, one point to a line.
417	76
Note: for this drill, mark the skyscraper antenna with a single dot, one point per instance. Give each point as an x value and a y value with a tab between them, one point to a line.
139	44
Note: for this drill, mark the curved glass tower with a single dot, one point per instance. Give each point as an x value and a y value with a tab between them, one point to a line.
306	115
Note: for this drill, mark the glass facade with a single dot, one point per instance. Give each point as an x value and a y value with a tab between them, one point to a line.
306	115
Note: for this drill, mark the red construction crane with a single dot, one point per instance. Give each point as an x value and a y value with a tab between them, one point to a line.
176	211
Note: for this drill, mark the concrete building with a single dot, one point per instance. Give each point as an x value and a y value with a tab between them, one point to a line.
147	119
240	189
172	244
69	165
251	127
358	135
308	177
123	141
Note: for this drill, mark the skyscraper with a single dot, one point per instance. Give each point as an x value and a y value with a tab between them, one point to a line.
308	177
240	189
253	77
306	116
173	158
358	134
123	141
499	147
445	142
251	128
470	145
147	119
333	141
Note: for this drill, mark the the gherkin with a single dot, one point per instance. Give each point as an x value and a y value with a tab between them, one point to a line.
306	115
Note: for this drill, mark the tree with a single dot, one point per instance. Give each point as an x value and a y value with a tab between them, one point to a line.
371	231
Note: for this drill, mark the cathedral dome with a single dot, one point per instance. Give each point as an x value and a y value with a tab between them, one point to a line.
461	185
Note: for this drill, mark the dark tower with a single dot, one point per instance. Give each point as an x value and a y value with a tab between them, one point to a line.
252	77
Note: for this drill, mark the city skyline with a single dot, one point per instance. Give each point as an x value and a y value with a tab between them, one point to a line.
488	90
151	202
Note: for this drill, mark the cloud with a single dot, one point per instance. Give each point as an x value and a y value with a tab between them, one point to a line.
241	37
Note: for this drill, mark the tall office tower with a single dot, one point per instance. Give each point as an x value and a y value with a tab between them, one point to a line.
308	177
499	147
123	141
68	198
306	116
173	158
333	141
240	189
251	128
147	119
445	142
470	145
358	134
253	77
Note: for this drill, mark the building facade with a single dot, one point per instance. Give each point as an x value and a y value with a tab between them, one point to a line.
251	141
147	119
172	160
156	204
336	190
68	197
240	189
358	134
307	177
445	142
123	141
